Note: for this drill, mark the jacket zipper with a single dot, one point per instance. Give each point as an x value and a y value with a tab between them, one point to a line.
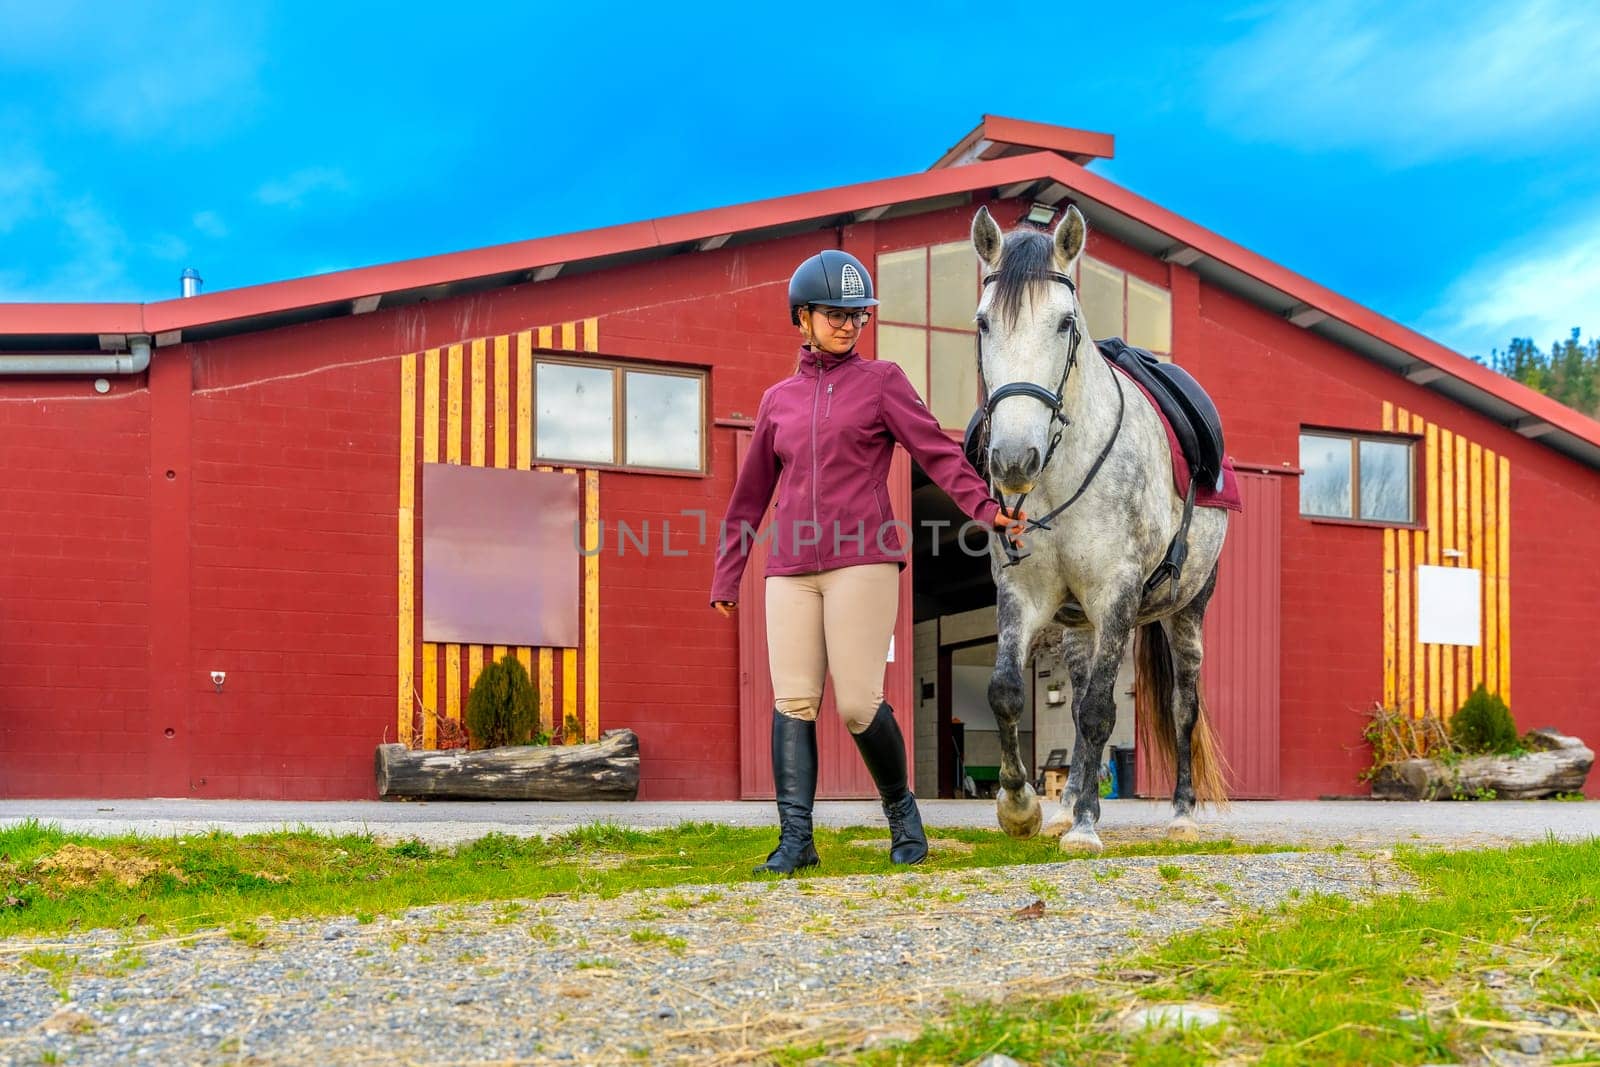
827	412
816	395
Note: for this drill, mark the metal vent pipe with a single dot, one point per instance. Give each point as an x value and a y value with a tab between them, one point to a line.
134	361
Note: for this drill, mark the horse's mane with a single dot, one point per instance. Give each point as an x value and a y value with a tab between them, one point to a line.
1026	259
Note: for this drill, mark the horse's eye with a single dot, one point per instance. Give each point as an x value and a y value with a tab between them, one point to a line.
983	324
1066	324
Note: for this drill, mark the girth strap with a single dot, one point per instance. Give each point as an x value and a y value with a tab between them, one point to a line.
1177	552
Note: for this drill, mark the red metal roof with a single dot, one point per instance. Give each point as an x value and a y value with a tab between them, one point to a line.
997	136
1037	172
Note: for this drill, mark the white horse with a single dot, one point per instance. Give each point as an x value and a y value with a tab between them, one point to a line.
1089	452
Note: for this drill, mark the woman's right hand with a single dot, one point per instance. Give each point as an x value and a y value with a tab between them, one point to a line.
724	607
1012	523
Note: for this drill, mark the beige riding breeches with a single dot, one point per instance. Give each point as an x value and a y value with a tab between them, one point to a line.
838	622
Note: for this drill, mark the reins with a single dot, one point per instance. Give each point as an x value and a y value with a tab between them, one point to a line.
1053	401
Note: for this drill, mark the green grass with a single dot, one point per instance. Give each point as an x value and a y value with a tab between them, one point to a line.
219	880
1407	979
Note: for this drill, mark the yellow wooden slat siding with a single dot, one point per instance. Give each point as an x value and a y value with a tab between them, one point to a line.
480	413
547	337
524	373
1447	542
479	446
1491	574
1431	447
1463	653
454	382
1475	549
1390	628
524	400
453	411
452	682
502	421
1503	549
591	335
1402	605
569	675
502	402
404	593
547	709
1419	548
569	336
430	454
591	605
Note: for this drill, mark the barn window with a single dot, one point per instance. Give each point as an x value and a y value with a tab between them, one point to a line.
928	299
1117	304
613	414
1351	476
925	319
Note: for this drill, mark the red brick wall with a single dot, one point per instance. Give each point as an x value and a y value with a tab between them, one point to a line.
271	552
74	591
1270	377
294	560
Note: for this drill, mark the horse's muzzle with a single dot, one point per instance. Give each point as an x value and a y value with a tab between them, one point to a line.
1015	471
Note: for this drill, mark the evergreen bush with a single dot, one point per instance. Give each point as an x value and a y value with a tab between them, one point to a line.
503	707
1484	725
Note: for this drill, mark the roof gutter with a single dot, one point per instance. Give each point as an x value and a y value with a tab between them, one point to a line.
134	361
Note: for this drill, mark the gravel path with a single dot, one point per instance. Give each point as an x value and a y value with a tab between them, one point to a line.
702	975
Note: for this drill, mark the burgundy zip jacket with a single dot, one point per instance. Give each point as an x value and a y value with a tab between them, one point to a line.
824	438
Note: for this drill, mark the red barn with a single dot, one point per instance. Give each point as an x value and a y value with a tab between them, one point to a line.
252	534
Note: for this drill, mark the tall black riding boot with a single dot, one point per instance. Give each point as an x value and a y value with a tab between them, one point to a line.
794	775
883	748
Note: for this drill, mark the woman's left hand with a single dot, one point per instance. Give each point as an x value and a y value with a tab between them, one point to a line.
1012	523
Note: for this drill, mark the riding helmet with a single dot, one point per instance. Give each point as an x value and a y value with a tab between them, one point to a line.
830	277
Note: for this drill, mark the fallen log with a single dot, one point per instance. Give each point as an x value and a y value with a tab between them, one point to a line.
607	769
1559	764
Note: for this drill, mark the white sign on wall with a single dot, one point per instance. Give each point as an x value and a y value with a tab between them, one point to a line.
1449	602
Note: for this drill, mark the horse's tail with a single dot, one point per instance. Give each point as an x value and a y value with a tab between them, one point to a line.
1157	731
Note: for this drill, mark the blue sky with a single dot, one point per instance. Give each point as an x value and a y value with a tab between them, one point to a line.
1435	162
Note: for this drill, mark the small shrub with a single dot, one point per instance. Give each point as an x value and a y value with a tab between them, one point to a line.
503	706
1484	724
1397	735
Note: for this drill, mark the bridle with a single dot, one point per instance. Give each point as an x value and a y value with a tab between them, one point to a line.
1058	421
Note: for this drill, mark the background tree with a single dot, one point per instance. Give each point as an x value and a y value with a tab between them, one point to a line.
1570	373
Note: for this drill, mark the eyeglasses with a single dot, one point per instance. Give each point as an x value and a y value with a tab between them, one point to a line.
837	317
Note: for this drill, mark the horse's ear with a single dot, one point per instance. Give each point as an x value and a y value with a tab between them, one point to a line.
1070	233
986	238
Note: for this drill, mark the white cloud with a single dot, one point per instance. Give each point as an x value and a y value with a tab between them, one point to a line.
210	224
1418	81
156	68
168	246
89	258
1541	293
24	183
292	191
97	249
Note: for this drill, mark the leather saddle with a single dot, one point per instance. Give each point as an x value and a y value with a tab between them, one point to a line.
1188	409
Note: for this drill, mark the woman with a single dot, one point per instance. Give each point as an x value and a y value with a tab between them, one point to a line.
832	585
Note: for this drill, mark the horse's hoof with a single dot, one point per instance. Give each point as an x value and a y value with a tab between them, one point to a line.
1019	813
1057	824
1081	841
1183	828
